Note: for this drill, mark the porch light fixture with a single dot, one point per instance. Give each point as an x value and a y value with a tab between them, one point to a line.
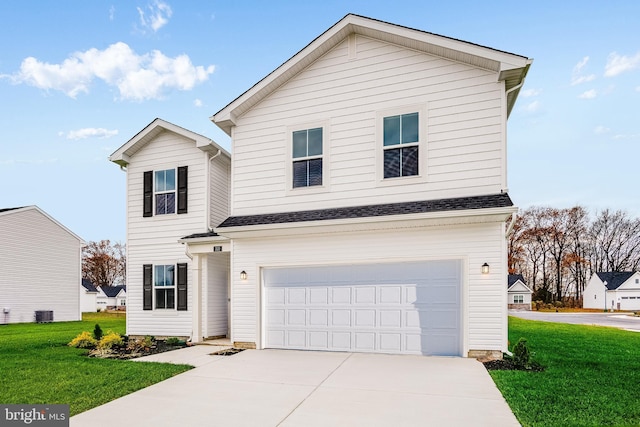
485	268
243	275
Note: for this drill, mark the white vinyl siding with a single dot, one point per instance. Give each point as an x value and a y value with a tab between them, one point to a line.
464	124
154	240
483	297
219	189
40	268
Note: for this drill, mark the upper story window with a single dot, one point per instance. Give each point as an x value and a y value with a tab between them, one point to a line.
165	191
307	157
400	145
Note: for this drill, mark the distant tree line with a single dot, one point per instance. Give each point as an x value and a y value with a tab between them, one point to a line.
104	263
557	250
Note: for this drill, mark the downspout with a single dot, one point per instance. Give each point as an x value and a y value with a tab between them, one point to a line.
514	216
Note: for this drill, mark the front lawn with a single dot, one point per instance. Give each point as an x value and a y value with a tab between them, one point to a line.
591	379
37	366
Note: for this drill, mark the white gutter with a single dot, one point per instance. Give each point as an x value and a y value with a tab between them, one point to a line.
514	216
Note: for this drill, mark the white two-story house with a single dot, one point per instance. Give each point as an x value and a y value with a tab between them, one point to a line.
367	206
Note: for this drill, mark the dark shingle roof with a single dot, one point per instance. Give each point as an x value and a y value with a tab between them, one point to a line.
10	209
614	278
440	205
513	278
112	291
197	235
86	283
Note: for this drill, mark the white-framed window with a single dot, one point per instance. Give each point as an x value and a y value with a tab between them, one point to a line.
307	157
164	286
518	299
400	141
165	191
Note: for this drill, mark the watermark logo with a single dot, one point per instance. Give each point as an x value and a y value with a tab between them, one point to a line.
34	415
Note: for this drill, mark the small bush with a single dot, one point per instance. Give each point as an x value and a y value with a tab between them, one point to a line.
97	332
521	354
558	304
83	340
110	340
174	342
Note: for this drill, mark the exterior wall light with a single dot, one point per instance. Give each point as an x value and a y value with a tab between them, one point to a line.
485	268
243	275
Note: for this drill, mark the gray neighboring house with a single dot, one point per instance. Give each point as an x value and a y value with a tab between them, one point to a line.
519	293
41	267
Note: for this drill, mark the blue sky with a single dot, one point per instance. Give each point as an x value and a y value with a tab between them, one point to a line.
80	78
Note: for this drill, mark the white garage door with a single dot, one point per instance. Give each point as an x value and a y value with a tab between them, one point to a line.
408	308
630	303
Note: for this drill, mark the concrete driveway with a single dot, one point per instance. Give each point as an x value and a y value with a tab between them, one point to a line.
306	388
614	320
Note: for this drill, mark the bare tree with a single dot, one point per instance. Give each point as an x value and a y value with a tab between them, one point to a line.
614	242
103	263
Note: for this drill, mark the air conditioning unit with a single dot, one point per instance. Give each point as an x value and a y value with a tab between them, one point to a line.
43	316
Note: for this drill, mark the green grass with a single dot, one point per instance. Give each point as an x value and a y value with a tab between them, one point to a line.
37	366
591	379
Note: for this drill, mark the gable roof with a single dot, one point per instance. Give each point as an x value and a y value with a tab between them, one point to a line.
123	154
511	68
460	203
14	211
513	278
113	291
86	283
614	278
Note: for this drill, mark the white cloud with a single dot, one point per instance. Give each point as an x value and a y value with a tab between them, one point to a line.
530	92
617	64
197	103
112	12
576	75
637	88
627	136
601	130
531	107
590	94
158	17
137	77
91	133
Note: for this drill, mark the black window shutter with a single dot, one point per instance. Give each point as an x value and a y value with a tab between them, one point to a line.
182	286
147	209
182	189
147	288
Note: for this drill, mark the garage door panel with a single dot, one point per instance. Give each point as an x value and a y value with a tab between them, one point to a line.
318	317
297	295
297	317
365	295
398	308
390	294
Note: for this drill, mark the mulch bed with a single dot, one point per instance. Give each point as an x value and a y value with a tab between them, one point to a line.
126	353
509	365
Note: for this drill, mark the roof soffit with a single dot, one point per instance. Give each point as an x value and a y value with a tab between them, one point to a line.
511	67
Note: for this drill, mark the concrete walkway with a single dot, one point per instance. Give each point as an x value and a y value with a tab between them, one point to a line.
307	388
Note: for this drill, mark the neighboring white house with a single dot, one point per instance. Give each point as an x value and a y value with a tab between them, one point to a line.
88	296
519	294
368	192
40	269
111	297
613	291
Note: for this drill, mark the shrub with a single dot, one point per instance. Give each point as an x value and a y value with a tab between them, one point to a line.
110	340
174	342
521	354
558	304
83	340
97	332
